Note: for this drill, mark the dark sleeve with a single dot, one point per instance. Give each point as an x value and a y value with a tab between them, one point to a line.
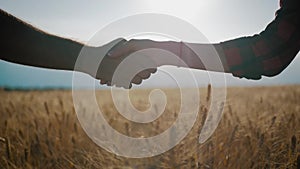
269	52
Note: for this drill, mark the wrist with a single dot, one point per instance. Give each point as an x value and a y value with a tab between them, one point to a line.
86	60
171	46
222	57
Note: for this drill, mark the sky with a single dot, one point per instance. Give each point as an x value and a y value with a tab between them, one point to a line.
79	20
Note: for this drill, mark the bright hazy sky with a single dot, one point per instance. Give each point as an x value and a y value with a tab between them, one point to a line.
218	20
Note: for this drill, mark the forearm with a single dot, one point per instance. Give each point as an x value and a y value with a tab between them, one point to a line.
269	52
21	43
198	56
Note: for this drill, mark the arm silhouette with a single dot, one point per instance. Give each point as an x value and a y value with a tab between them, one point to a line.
25	44
265	54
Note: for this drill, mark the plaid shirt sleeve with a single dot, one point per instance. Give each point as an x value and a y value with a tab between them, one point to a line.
269	52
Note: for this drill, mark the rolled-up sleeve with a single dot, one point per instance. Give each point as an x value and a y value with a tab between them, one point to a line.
269	52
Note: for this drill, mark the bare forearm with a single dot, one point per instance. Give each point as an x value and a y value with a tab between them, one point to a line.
21	43
198	56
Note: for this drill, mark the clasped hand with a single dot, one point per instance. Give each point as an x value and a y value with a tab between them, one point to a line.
116	56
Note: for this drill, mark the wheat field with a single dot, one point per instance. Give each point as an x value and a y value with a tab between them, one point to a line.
260	128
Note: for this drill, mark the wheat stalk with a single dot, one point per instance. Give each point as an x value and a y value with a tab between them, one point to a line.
293	144
26	153
2	139
208	92
47	108
298	161
8	148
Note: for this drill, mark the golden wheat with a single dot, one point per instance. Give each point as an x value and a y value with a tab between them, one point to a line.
260	128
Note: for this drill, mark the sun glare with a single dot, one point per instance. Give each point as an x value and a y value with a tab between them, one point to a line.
185	9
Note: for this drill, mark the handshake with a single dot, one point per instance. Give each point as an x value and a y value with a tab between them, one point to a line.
116	53
123	63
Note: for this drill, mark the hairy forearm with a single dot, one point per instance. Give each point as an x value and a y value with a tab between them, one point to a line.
22	43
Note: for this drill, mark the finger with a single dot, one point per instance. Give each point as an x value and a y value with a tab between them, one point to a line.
117	45
144	74
120	49
114	43
123	50
137	80
151	70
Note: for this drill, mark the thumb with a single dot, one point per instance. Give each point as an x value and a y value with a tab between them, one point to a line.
114	42
114	45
